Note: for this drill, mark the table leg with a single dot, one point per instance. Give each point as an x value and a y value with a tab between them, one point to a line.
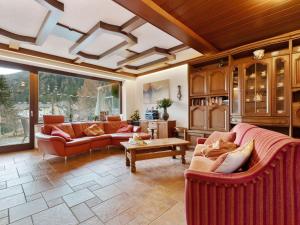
174	149
126	157
183	148
132	163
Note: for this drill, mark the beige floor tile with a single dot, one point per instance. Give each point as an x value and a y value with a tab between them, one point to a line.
21	180
82	179
27	209
55	202
4	221
12	201
93	202
78	197
113	207
58	215
25	221
107	192
4	213
10	191
92	221
174	216
57	192
82	212
37	186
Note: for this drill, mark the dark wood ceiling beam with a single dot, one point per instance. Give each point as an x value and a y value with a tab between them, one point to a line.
143	55
17	36
133	24
178	48
152	13
98	29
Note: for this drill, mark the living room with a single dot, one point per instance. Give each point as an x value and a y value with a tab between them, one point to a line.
149	112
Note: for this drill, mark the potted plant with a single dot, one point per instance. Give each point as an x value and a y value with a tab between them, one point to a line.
135	117
165	103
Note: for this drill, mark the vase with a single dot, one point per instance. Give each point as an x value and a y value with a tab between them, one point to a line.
165	115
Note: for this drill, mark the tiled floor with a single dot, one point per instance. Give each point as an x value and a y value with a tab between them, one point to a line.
90	189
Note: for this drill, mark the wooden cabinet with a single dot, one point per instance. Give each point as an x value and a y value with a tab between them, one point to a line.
217	81
217	117
162	128
280	86
198	117
236	90
198	83
296	70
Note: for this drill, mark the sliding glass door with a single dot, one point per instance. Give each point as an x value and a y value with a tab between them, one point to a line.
16	111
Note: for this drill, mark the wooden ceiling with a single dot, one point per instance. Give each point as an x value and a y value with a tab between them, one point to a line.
219	25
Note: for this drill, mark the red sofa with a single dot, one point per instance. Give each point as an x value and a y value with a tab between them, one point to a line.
266	193
58	146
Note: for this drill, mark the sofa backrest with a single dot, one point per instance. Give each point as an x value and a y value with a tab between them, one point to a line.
79	127
112	126
241	130
51	119
264	141
66	127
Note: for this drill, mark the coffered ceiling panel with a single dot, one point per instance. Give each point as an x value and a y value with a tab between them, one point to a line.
84	14
103	43
22	17
150	36
97	33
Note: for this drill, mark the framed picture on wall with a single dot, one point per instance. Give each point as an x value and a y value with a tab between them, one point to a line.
154	91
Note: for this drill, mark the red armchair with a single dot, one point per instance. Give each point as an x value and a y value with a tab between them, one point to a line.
267	193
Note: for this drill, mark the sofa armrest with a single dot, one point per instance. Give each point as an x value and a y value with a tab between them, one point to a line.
45	137
201	140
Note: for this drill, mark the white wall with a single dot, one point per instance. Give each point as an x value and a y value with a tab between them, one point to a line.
176	76
128	98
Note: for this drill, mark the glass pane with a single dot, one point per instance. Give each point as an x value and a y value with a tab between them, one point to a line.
235	91
78	99
14	107
261	93
279	76
250	89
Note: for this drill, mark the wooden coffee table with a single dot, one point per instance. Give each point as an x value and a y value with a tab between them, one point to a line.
156	148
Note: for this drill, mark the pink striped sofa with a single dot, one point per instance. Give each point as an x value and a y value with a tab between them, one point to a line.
267	193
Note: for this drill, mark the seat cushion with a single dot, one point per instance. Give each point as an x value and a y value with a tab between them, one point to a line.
125	136
78	141
125	129
200	163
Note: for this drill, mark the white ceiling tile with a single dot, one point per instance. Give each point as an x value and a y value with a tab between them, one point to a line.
84	14
189	53
150	36
147	60
103	43
23	17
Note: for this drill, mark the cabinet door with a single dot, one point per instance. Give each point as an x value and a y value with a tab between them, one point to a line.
217	81
235	90
296	70
281	84
257	88
198	83
198	117
162	130
218	118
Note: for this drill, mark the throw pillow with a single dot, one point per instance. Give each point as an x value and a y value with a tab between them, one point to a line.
214	150
126	129
60	133
93	130
232	161
216	135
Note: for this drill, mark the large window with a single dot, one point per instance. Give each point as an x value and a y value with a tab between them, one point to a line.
77	98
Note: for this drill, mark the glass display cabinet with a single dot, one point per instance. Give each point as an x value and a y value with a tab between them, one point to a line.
280	83
257	88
